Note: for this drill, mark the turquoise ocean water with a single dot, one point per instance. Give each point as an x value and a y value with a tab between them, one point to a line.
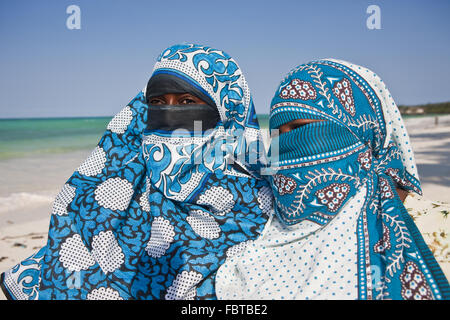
33	137
21	138
27	137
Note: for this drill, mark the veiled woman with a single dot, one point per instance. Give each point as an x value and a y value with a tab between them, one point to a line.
167	194
341	230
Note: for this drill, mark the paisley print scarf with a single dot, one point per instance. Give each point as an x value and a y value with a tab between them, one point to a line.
152	214
340	230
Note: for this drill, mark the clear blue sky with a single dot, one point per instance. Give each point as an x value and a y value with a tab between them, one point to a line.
47	70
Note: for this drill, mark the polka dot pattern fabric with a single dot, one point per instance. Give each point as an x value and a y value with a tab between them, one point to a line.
62	200
265	199
143	202
74	255
204	224
237	249
107	251
183	287
104	293
114	194
94	164
121	121
189	187
297	262
218	198
162	235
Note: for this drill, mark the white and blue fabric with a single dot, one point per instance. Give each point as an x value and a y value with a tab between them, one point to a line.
152	215
340	229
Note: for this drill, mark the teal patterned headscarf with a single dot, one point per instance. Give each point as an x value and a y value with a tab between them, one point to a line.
360	145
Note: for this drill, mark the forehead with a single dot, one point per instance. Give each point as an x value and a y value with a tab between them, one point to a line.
176	94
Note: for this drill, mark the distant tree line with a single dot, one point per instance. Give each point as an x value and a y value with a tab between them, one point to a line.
430	108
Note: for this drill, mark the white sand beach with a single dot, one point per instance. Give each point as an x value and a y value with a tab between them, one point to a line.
29	185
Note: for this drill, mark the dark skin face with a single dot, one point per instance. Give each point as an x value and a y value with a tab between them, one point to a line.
176	99
294	124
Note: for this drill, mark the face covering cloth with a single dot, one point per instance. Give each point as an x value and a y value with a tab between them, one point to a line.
146	216
173	117
340	230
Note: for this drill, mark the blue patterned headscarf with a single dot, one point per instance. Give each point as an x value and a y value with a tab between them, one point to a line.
360	145
143	217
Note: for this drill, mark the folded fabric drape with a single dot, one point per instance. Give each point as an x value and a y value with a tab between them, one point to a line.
151	214
341	231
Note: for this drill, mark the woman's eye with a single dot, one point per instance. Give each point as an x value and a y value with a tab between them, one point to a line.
297	125
156	101
187	101
290	127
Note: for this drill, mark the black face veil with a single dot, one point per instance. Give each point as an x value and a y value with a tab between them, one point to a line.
173	117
